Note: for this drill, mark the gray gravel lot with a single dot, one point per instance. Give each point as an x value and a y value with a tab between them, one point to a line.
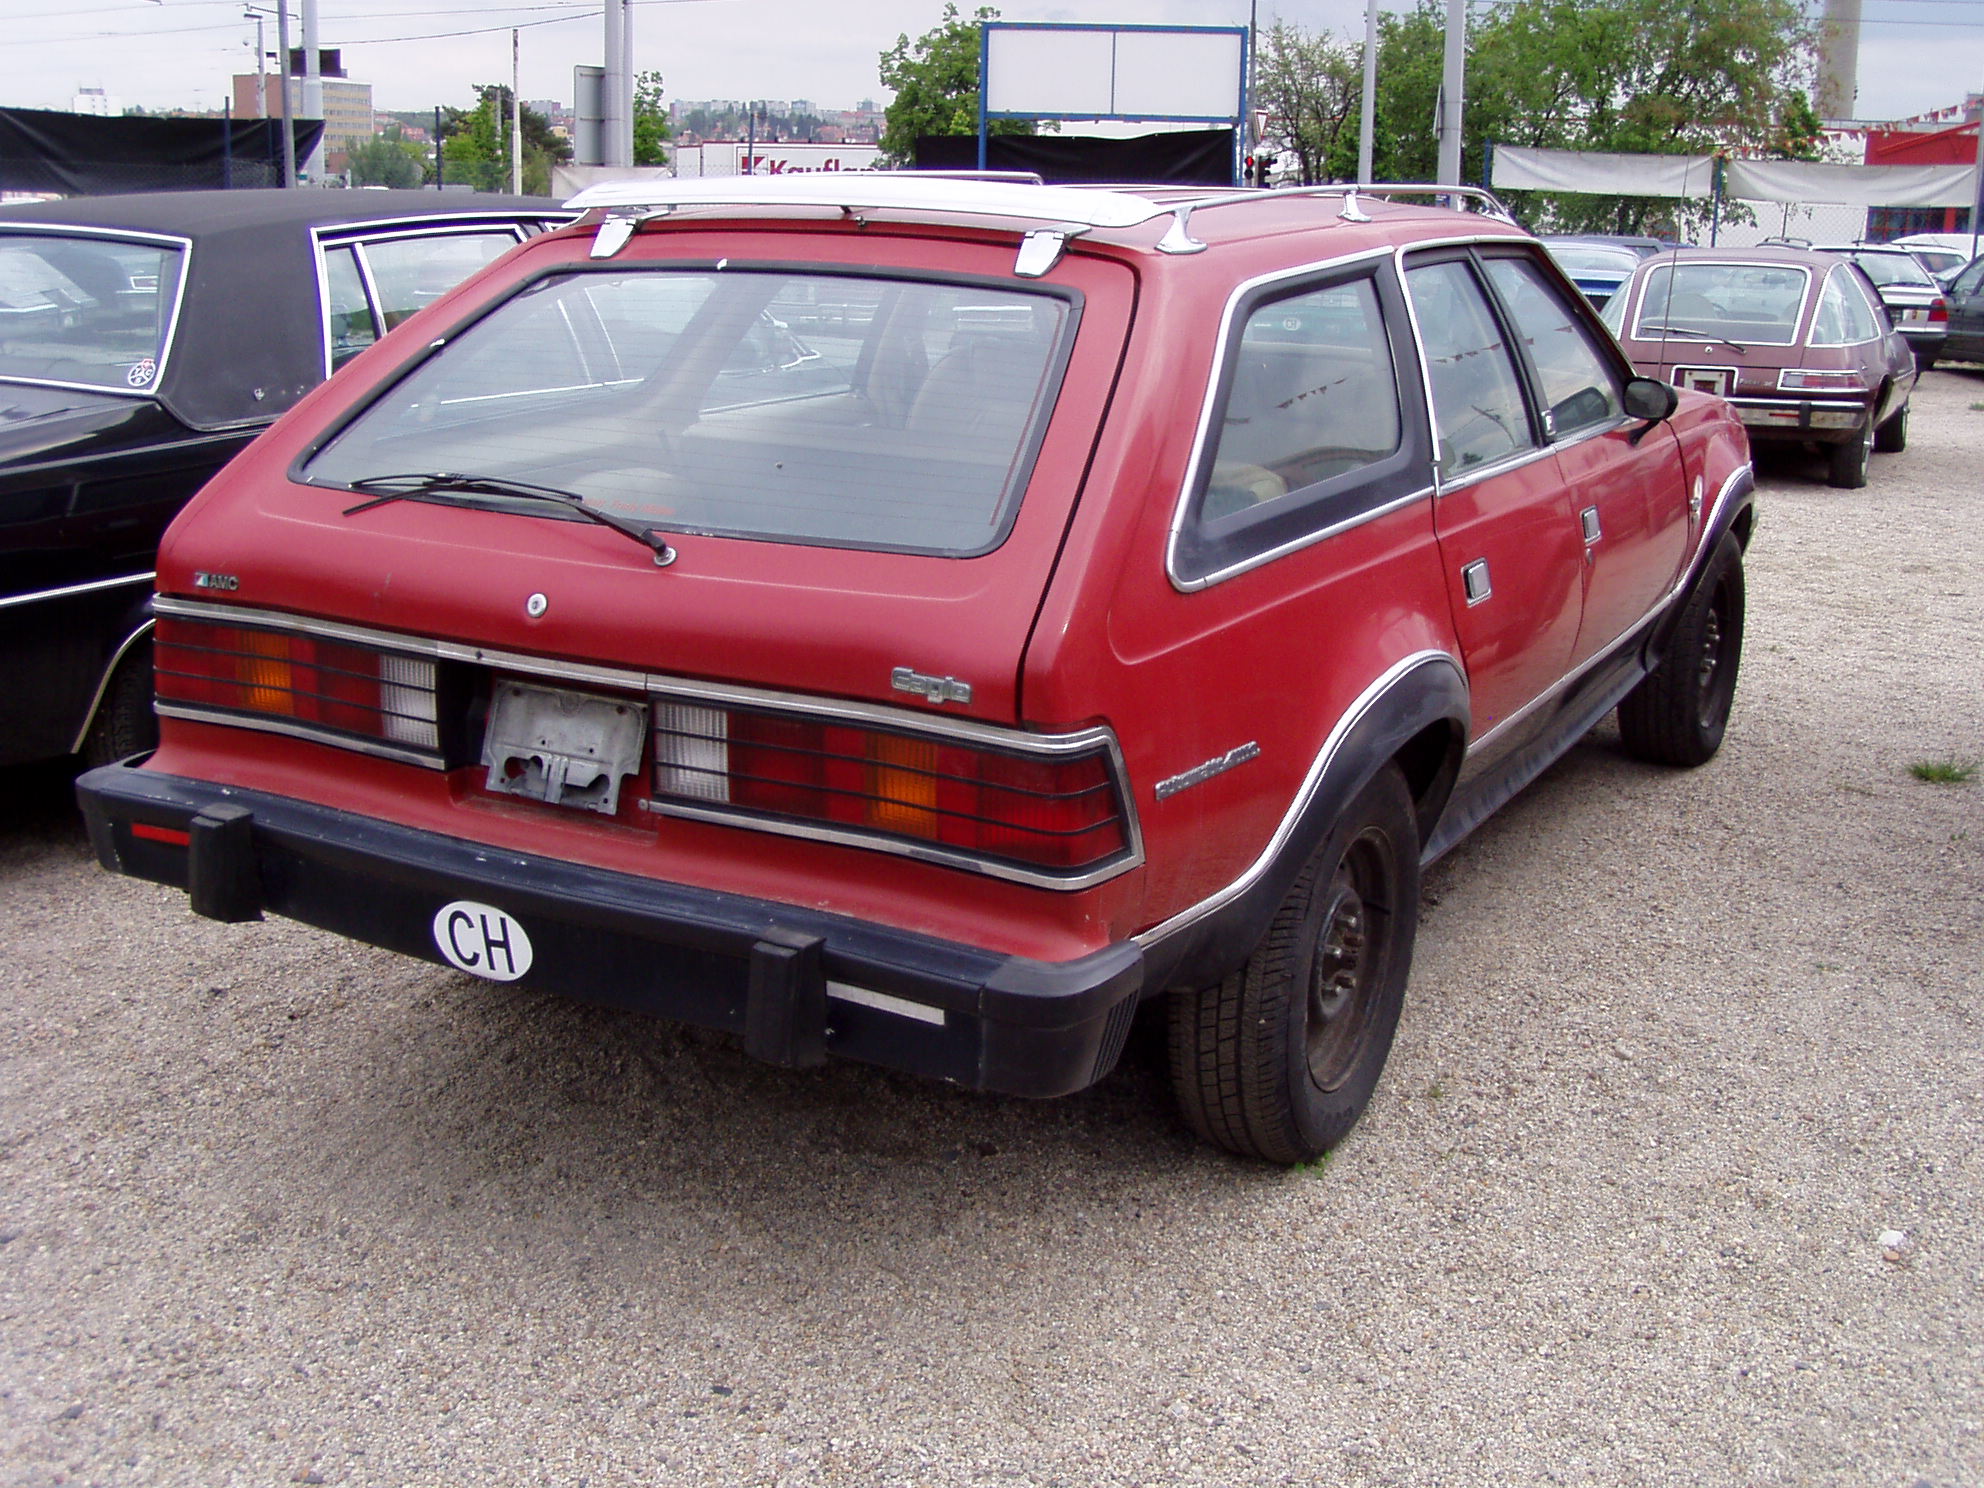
1679	1047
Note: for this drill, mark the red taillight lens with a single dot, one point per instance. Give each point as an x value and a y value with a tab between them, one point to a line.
1059	812
307	680
1939	312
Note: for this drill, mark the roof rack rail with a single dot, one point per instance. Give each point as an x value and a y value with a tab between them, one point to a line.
1065	212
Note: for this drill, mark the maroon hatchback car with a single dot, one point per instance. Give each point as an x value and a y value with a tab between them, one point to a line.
1799	342
923	621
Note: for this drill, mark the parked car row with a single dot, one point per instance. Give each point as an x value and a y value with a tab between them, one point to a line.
144	341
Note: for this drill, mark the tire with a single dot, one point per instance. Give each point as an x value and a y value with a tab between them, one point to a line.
1279	1060
1847	463
124	724
1680	710
1891	437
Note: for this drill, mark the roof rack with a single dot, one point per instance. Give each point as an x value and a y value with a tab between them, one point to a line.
1066	211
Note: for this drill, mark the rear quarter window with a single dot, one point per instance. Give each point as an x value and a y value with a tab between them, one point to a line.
1307	428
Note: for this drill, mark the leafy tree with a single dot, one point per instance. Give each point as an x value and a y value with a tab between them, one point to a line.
476	148
651	128
1799	129
1632	76
1310	86
389	159
935	79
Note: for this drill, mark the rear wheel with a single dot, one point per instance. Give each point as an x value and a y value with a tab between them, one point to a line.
1891	438
124	724
1847	463
1279	1060
1680	710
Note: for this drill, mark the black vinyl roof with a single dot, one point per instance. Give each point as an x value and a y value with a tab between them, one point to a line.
250	337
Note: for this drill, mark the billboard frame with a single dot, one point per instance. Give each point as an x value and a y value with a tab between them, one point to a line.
1236	118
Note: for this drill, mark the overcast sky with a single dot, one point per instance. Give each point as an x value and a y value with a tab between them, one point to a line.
1916	55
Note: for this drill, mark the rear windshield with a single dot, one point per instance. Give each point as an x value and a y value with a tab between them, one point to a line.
1894	268
84	311
842	410
1753	304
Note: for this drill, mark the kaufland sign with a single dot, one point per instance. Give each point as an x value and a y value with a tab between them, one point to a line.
733	158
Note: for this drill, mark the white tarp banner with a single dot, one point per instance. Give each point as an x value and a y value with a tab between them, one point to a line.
1519	169
1852	185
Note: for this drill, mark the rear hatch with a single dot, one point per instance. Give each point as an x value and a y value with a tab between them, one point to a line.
839	464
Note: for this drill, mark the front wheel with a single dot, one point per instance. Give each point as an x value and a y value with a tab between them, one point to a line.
1680	710
1278	1061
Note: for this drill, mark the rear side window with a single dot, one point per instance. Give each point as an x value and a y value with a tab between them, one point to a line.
1844	318
89	312
1306	430
843	410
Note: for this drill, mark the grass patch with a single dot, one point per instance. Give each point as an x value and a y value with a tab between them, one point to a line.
1942	772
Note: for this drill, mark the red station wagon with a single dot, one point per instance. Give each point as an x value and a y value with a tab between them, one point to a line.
922	621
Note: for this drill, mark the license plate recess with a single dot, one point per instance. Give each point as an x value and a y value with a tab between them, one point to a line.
563	747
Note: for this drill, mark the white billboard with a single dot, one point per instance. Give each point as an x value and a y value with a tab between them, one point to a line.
1115	72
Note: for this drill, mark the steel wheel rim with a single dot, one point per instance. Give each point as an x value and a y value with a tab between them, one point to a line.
1348	967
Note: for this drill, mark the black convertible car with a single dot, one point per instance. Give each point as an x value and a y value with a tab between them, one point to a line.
144	340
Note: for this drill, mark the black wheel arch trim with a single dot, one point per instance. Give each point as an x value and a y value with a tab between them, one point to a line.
1417	714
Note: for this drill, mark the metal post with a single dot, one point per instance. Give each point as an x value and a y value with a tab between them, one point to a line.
1367	115
516	122
1451	85
227	145
313	89
627	83
612	124
750	139
1977	196
440	159
261	58
288	110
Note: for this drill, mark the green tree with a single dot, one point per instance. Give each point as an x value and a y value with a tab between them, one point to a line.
1309	85
935	79
476	144
651	129
387	159
1631	76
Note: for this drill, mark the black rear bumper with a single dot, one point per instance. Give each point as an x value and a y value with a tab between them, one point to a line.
796	985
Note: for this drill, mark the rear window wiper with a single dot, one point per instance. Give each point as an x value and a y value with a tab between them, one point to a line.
1699	335
416	486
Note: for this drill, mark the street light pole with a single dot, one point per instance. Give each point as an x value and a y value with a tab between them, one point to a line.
1367	116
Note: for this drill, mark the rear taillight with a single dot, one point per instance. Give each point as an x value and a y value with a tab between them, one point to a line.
1060	812
1939	312
1801	379
301	683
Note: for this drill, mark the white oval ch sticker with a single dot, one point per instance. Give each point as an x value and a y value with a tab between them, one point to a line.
482	941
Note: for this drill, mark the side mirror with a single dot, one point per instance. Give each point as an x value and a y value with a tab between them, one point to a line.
1650	399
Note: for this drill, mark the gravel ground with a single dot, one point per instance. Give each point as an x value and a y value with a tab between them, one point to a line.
1679	1048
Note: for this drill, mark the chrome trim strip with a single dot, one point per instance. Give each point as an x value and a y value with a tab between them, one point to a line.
1256	870
1687	574
1208	408
68	589
902	1007
168	240
103	686
661	684
267	725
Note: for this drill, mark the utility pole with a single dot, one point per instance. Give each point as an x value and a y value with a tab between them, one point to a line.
1367	116
1451	83
516	122
261	58
288	109
616	131
313	89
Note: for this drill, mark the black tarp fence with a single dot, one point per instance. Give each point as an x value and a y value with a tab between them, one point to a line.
1199	157
90	155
